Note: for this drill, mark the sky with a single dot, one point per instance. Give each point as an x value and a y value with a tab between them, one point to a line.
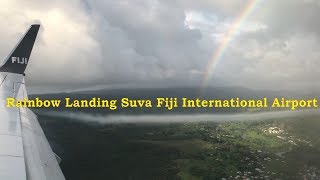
86	44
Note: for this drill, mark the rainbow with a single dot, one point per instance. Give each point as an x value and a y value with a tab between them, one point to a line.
230	34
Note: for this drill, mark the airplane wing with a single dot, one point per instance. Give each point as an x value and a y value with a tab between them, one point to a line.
25	153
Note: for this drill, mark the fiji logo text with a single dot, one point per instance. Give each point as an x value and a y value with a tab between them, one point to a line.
19	60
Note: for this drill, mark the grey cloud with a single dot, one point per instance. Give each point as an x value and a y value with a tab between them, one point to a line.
290	16
95	43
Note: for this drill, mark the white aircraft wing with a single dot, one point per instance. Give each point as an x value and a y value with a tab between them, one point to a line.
25	153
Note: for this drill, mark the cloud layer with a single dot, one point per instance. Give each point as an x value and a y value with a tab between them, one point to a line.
166	43
120	119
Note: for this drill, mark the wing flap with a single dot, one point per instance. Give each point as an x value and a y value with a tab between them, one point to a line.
40	159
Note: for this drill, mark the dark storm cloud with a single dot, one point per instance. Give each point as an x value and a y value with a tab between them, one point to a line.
165	43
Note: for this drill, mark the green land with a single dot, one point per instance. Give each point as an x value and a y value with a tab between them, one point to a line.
273	149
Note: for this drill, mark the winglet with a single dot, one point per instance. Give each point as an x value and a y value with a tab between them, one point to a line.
18	60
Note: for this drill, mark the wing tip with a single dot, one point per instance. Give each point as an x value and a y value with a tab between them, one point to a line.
18	60
35	25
